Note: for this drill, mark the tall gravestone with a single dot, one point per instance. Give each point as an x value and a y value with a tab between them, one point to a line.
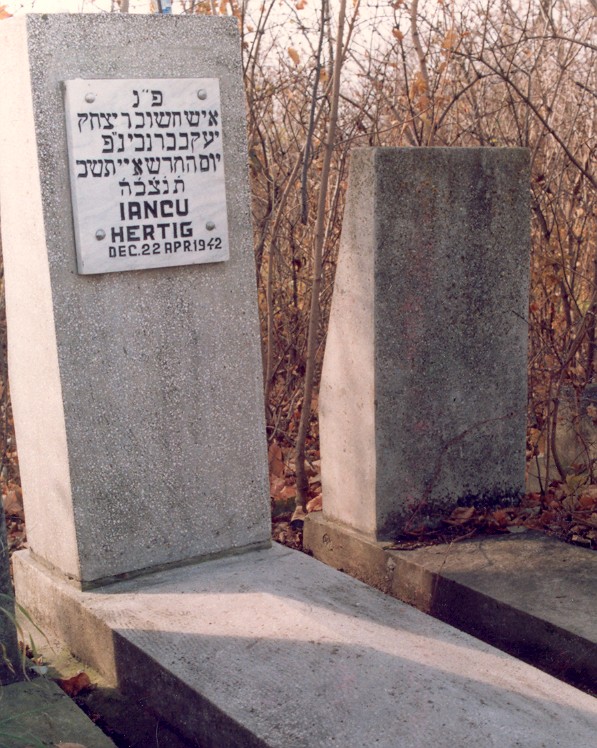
423	393
133	332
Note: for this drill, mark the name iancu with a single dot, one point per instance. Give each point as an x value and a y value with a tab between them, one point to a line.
144	209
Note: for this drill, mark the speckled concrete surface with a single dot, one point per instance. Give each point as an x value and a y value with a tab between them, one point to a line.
273	648
137	396
423	393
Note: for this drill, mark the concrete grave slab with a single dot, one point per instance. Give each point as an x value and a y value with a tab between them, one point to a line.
272	648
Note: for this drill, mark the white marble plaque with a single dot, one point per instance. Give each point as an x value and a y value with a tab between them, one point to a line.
147	173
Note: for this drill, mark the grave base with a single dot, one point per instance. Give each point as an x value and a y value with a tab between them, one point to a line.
272	648
530	595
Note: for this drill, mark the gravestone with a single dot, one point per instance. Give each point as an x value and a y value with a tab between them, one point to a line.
423	392
134	354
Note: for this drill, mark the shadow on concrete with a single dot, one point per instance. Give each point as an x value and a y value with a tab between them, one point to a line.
242	691
277	650
272	648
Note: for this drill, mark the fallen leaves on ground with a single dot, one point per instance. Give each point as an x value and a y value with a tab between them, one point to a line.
12	501
282	478
17	536
283	493
12	494
315	505
283	532
75	685
568	511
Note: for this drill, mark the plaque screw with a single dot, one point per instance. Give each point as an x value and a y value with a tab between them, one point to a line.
90	98
202	94
100	234
210	225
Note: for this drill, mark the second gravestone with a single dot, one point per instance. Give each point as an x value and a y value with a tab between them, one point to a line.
423	393
135	367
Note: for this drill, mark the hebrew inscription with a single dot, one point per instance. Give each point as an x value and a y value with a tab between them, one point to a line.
147	173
